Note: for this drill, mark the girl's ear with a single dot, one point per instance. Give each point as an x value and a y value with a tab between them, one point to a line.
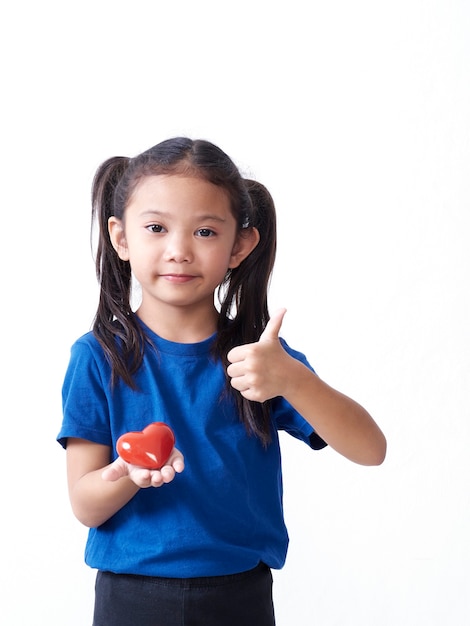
246	242
118	239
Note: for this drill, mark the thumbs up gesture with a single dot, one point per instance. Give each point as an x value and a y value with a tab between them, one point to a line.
257	370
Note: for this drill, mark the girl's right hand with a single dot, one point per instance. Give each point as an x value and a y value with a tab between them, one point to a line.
144	477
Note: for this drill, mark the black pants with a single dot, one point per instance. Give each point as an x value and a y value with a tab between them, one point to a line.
236	600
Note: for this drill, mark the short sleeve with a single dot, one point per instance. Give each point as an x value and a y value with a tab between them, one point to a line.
288	419
84	396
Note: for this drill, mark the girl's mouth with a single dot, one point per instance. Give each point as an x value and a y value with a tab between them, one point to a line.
178	278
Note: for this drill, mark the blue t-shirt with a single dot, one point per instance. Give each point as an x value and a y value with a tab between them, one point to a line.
223	514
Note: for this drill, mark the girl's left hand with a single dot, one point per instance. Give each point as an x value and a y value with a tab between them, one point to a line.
143	477
258	370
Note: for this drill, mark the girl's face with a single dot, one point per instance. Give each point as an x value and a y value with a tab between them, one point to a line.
180	238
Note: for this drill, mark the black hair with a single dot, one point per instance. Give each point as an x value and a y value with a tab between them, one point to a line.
243	292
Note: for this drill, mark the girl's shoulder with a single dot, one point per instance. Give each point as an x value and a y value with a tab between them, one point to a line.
87	343
86	351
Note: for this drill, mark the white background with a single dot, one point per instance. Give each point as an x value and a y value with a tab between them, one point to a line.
356	117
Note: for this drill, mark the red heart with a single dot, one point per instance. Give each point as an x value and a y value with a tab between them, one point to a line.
149	448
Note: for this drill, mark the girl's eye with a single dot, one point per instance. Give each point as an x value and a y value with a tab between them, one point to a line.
155	228
205	232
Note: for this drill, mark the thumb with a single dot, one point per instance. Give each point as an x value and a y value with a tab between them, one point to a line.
271	332
116	470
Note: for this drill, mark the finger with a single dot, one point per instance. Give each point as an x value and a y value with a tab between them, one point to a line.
239	383
236	354
178	465
115	471
235	369
271	332
143	477
176	461
156	479
167	473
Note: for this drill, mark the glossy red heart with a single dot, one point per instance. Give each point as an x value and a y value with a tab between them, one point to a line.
149	448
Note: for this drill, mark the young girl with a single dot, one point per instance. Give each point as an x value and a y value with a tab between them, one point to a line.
194	542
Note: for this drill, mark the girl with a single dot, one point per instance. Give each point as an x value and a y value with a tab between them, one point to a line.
182	222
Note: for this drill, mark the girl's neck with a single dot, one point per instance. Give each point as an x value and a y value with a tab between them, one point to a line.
180	325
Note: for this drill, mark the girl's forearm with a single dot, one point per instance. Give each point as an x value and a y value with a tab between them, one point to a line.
95	500
340	421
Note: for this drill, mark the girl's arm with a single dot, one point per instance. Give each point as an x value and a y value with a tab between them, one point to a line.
340	421
263	370
98	489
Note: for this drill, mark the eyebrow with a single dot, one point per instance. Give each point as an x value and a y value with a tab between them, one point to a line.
200	218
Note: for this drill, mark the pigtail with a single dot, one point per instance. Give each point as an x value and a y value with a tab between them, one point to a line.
260	263
244	307
114	319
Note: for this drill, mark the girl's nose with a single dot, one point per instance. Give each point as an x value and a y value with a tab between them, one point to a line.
178	249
